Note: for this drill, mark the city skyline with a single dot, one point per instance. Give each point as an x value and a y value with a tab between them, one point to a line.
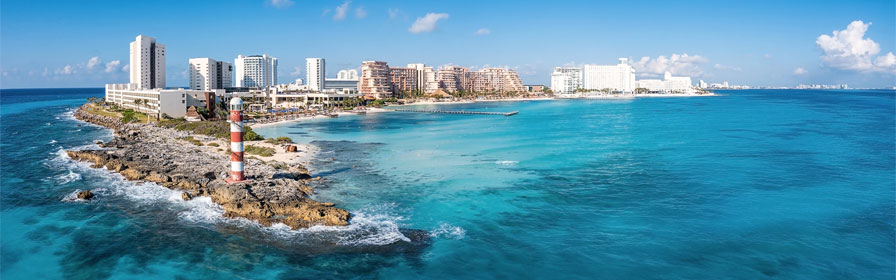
46	45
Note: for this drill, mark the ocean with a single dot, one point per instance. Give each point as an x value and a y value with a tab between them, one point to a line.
748	184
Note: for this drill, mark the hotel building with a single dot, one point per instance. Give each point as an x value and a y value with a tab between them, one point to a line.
403	79
375	78
147	63
669	84
315	73
619	78
452	78
426	77
493	80
208	74
566	79
255	71
345	81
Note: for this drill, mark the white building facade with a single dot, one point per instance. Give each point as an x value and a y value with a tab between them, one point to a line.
147	63
618	78
208	74
315	73
669	84
566	79
255	71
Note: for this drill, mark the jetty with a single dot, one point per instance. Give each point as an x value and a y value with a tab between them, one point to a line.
506	114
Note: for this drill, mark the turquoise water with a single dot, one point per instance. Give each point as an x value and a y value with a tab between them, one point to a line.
748	184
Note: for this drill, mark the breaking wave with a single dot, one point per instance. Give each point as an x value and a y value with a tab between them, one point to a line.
507	162
448	231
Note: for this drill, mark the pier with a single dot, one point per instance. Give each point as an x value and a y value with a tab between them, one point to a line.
506	114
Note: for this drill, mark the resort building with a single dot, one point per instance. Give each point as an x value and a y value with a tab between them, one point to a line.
208	74
426	77
669	84
534	88
315	71
374	82
493	80
452	78
147	63
566	79
617	78
347	74
255	71
346	81
158	103
403	80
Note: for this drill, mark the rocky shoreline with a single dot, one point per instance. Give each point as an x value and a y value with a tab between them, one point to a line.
274	193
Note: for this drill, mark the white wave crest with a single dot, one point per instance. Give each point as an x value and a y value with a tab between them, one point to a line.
68	178
507	162
53	141
448	231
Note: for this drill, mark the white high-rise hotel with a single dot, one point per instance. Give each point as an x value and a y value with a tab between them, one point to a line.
566	79
619	77
315	73
208	74
257	71
147	63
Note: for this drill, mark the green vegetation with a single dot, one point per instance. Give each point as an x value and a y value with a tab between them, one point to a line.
217	129
192	140
213	144
128	116
279	140
261	151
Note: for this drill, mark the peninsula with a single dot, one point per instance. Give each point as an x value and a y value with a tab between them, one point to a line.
275	192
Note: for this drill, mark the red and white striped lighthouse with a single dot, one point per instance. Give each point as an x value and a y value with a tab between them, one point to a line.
237	164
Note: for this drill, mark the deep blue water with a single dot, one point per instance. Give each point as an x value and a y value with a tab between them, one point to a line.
748	184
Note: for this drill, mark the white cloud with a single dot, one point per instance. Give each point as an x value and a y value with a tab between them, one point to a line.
482	31
800	71
67	70
126	68
93	62
848	49
427	23
677	64
768	55
726	67
341	10
393	13
112	66
887	61
280	4
360	12
297	72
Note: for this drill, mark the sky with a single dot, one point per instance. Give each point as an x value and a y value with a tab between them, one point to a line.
50	44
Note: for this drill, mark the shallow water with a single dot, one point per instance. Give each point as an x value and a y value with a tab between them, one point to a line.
748	184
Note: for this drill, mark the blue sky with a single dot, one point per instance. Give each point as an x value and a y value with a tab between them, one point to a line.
761	43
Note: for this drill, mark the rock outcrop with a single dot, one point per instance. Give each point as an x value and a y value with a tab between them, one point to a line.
85	195
142	152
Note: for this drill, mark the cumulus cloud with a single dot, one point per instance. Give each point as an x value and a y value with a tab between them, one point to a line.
848	49
297	71
677	64
112	66
67	70
427	23
800	71
726	67
360	12
341	10
93	62
126	68
280	4
482	31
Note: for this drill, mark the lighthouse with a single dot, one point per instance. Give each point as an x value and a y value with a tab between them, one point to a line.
237	164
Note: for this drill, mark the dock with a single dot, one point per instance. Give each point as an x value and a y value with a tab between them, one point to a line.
506	114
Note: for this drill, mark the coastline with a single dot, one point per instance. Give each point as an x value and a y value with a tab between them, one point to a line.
277	190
